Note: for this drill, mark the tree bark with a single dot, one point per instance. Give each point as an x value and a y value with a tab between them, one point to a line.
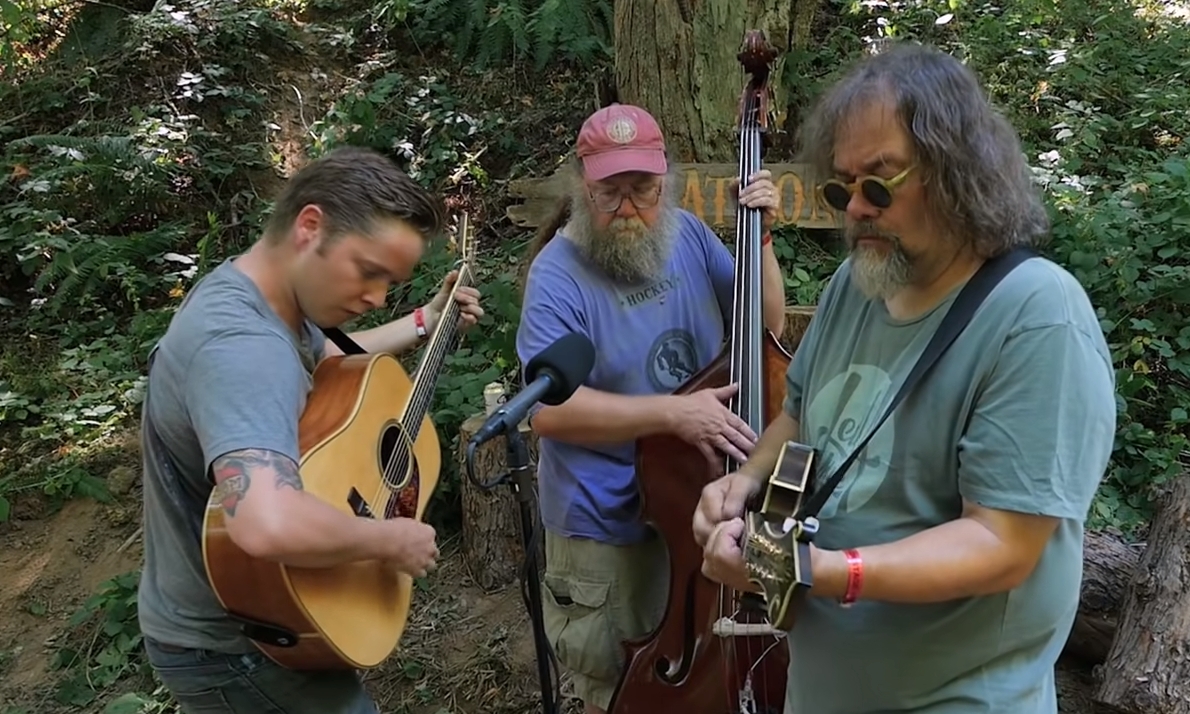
677	60
492	545
1148	667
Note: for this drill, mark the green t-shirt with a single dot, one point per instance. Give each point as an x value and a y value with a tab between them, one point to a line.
1019	415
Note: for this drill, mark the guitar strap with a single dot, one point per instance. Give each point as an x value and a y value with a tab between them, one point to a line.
956	319
342	341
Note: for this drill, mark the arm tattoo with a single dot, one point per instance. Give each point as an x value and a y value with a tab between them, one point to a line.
234	473
232	489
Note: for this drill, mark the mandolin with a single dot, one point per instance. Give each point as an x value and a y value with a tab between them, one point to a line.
368	448
777	542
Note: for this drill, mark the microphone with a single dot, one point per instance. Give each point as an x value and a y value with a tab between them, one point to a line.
553	376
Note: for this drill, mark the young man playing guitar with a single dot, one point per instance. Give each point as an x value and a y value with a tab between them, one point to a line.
946	570
227	385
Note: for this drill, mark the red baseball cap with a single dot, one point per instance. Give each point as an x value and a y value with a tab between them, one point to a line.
620	138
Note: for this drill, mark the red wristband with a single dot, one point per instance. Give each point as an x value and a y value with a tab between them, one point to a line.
855	577
766	238
419	319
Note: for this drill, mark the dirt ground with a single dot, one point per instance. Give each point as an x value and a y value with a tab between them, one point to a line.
464	652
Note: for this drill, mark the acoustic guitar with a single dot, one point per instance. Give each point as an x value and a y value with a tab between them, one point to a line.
368	448
776	545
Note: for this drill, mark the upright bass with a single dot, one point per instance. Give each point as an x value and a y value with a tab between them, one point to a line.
713	652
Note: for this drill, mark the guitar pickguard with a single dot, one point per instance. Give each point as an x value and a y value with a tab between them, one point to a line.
403	502
776	546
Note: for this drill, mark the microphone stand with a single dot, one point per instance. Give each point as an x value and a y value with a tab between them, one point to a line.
519	478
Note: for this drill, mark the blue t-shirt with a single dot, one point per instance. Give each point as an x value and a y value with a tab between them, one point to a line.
649	339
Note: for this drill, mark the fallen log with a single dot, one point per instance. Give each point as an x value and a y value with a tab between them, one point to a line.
1108	564
1147	670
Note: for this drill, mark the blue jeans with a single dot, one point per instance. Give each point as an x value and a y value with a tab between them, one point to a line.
205	682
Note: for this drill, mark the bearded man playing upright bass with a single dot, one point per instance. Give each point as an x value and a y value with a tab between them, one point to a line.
651	286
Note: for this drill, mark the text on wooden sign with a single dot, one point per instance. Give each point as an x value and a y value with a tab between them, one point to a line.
703	189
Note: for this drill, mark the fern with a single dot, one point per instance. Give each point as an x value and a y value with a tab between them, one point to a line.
101	157
494	31
578	30
107	173
94	265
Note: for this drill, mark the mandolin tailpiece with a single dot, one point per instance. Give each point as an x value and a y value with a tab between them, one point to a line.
776	544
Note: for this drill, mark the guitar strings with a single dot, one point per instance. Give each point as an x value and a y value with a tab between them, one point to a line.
746	368
441	344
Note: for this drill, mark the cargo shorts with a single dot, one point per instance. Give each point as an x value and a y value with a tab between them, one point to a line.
595	596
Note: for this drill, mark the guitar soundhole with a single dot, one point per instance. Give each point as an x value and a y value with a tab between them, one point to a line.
400	474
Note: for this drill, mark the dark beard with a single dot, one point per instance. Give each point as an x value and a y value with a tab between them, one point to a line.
627	250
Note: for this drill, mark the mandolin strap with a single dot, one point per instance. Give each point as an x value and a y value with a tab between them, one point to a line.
956	319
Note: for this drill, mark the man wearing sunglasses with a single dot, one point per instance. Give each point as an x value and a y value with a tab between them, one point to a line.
652	287
947	566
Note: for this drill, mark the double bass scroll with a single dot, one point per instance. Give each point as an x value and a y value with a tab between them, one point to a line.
714	652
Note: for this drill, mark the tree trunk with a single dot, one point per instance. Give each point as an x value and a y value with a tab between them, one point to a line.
492	545
1148	667
677	60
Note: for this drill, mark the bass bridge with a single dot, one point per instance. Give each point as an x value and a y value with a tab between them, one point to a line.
777	545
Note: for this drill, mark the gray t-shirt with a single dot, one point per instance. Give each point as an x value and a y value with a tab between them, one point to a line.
1018	415
229	374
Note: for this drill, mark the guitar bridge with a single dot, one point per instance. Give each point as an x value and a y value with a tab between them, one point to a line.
358	505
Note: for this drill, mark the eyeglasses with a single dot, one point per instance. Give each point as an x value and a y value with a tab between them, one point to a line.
610	201
878	191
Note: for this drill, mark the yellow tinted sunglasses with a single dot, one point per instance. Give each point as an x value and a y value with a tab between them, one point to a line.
878	191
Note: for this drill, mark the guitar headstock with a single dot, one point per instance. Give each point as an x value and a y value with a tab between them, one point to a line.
464	245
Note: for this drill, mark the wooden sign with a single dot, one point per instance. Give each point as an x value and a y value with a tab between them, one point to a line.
704	190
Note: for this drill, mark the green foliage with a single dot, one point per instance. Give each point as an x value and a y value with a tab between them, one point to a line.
491	32
437	140
20	23
103	643
99	235
133	169
1126	246
1096	90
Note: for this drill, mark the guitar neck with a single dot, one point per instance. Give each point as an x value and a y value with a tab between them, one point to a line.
442	343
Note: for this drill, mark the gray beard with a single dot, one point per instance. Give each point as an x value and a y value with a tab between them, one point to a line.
627	250
879	274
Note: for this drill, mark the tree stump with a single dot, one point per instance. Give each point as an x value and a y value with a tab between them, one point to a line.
1147	670
491	519
797	319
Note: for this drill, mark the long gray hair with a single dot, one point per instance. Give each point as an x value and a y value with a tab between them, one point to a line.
977	181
